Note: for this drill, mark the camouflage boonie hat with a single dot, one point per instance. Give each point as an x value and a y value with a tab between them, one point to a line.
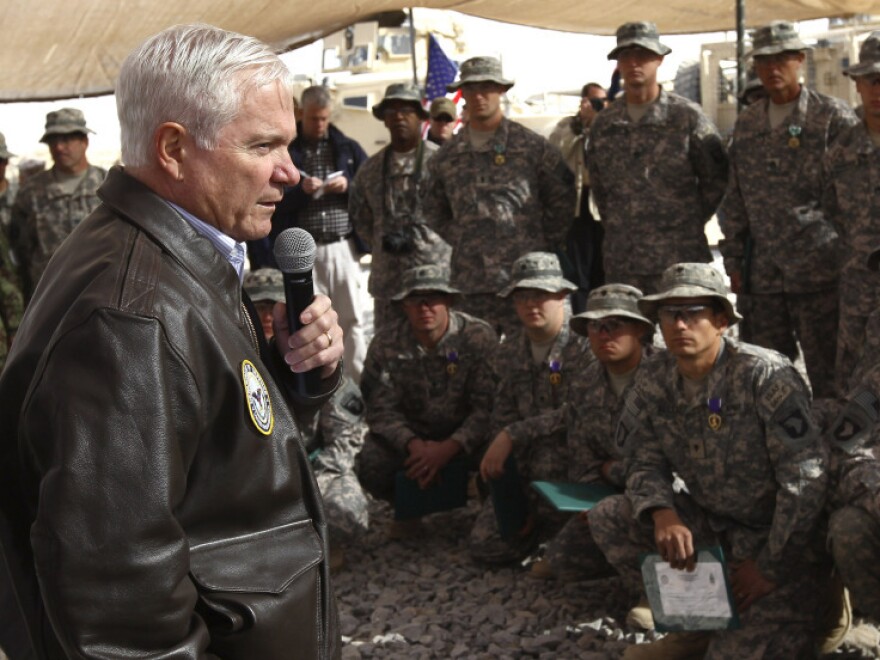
537	270
442	106
265	284
5	154
480	69
431	277
869	57
610	300
777	37
690	280
65	122
400	92
641	33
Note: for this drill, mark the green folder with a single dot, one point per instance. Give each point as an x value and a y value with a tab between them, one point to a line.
574	497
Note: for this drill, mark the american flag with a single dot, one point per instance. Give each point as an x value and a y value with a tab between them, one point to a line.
441	70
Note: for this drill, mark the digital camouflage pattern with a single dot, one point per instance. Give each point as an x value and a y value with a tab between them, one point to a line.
850	175
385	197
656	183
11	298
335	438
44	215
512	196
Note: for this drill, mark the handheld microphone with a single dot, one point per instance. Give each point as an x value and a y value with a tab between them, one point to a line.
295	255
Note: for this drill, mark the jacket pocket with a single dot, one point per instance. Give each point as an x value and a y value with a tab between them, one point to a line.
259	594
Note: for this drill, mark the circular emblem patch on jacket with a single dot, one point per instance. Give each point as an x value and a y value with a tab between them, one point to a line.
257	395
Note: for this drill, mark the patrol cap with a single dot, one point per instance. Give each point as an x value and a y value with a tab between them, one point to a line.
778	37
442	106
610	300
5	154
537	270
430	277
65	122
869	57
639	33
690	280
480	69
265	284
400	92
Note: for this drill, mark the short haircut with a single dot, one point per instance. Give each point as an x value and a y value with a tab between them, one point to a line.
194	75
586	89
317	96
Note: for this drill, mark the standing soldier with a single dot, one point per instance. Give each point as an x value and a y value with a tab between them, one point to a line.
11	300
498	190
851	174
780	252
52	203
441	120
657	168
384	201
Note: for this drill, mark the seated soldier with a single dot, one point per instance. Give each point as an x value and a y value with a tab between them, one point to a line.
538	364
620	336
428	384
733	421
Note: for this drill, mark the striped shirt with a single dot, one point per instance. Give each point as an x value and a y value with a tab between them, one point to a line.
230	249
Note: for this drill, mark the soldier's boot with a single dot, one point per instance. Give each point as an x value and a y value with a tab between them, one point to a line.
836	619
337	558
674	646
401	530
641	616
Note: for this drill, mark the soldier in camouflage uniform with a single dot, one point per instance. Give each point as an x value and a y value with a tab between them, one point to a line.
428	383
851	172
657	165
619	338
734	422
11	300
497	191
854	527
779	250
383	202
50	204
539	365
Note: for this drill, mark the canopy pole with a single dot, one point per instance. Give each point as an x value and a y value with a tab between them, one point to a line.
412	45
741	81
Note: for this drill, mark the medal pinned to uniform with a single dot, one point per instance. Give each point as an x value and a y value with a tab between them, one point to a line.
794	140
256	396
452	362
555	372
715	413
499	154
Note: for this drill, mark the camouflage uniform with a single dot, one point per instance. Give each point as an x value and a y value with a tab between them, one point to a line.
656	183
333	441
11	299
756	485
385	199
772	204
433	395
854	527
491	205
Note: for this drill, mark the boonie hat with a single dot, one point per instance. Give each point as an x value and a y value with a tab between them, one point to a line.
65	122
400	92
537	270
690	280
869	57
640	33
480	69
265	284
5	154
442	106
610	300
777	37
430	277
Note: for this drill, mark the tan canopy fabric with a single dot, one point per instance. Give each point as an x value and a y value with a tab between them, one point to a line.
60	49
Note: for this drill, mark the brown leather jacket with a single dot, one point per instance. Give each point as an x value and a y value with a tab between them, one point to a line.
137	486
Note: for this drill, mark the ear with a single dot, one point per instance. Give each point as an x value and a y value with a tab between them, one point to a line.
171	143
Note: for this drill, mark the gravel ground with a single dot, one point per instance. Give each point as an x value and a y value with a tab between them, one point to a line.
425	598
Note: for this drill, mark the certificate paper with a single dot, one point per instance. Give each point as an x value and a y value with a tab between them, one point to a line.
682	600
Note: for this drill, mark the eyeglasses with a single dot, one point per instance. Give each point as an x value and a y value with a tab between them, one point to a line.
427	299
612	325
531	296
400	110
669	314
598	104
777	58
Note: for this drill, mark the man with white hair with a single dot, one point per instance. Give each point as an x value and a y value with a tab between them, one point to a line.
156	497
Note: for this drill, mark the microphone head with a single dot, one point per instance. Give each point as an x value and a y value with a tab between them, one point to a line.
295	251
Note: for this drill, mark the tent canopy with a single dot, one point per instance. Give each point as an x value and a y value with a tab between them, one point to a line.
62	49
